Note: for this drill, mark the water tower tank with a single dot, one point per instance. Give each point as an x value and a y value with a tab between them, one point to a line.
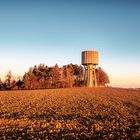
90	57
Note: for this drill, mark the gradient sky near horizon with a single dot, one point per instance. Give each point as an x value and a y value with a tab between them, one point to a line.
56	31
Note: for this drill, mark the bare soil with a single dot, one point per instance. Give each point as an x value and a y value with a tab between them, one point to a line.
76	113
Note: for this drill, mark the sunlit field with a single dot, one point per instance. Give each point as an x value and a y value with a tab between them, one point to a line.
77	113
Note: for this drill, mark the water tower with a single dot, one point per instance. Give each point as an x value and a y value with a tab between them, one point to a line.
90	60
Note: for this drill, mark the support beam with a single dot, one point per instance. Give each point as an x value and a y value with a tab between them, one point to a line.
95	80
90	75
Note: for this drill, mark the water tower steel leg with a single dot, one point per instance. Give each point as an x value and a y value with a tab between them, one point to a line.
85	76
90	76
95	80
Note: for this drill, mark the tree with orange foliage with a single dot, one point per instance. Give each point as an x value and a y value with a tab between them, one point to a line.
102	77
68	75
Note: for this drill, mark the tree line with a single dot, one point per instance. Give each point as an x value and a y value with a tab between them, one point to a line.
44	77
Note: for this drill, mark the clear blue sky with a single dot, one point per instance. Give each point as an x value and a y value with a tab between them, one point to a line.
56	31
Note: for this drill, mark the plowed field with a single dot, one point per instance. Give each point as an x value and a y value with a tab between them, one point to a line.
77	113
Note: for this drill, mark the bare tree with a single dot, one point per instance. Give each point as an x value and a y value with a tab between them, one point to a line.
8	79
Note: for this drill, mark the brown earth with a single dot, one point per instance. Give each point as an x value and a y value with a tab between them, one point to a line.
77	113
